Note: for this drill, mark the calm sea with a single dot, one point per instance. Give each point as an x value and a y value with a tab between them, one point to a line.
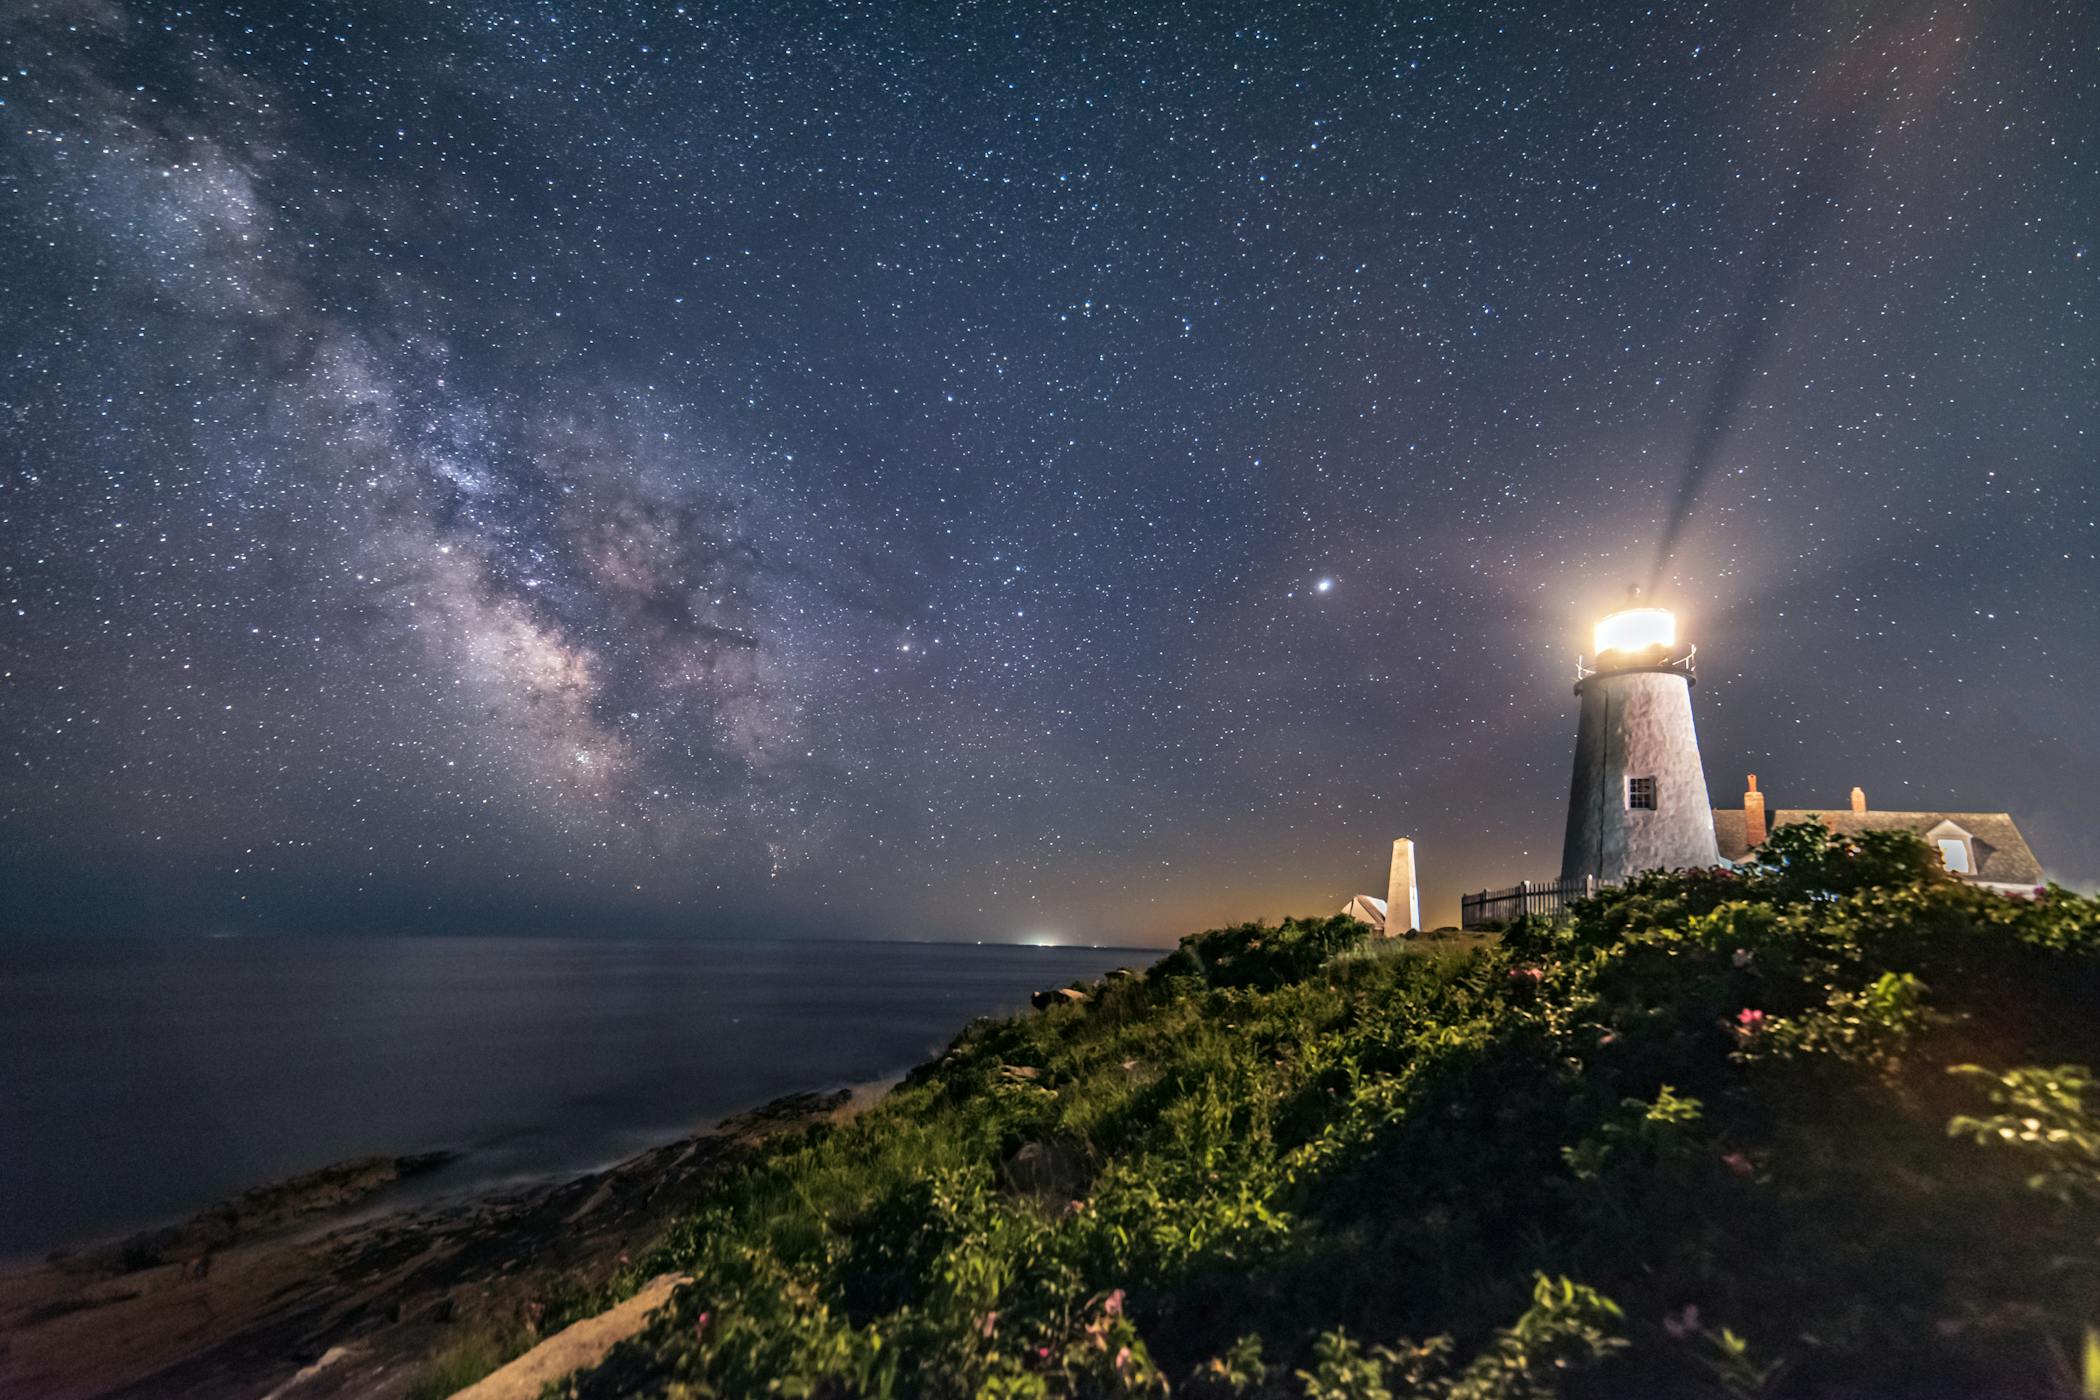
141	1081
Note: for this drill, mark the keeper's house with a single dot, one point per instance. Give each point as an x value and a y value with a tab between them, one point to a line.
1985	848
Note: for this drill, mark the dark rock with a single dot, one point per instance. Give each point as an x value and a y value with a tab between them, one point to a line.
1054	1170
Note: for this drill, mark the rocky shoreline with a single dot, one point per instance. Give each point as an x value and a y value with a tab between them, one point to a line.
310	1288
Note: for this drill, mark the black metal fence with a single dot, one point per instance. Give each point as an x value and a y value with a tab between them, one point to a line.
1493	908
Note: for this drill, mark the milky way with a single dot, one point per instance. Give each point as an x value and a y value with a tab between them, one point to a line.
998	471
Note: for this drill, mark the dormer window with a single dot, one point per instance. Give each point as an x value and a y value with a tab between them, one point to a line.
1957	848
1640	794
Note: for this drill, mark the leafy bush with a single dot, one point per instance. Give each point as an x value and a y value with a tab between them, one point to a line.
1257	955
1697	1139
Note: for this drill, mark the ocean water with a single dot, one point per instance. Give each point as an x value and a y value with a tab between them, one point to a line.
143	1080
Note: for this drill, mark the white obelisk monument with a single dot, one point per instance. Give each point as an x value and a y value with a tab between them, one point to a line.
1403	901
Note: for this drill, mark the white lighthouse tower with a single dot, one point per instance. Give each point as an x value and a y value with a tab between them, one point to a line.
1638	800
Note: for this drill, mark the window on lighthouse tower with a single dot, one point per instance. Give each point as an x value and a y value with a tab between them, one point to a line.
1640	794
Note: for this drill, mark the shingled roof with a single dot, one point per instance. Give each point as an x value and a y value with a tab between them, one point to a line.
2002	854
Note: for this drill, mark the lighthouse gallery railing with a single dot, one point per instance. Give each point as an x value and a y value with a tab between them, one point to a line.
1493	908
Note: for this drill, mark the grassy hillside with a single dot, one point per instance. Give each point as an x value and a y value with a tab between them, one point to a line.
1820	1131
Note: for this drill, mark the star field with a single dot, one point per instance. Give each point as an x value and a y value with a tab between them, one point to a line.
1006	471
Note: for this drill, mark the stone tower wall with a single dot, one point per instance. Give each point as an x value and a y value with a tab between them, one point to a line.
1637	724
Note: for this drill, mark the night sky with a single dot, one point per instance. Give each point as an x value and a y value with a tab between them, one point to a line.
997	471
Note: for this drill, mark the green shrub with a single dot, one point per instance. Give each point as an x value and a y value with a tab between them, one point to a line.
1258	955
1698	1138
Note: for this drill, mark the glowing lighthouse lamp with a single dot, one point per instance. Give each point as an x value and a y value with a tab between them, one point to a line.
1638	798
1636	629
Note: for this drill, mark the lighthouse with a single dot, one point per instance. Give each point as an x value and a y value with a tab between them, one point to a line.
1638	799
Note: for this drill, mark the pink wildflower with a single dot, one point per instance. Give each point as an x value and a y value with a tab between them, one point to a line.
1683	1322
1529	976
990	1323
1112	1305
700	1322
1743	957
1739	1163
1042	1353
1607	1037
1122	1358
1750	1018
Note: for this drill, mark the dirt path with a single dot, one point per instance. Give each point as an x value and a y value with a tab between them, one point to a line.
576	1346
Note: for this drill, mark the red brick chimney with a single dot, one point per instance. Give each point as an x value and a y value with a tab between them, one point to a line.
1754	815
1859	800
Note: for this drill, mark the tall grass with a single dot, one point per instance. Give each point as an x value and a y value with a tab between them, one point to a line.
470	1353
